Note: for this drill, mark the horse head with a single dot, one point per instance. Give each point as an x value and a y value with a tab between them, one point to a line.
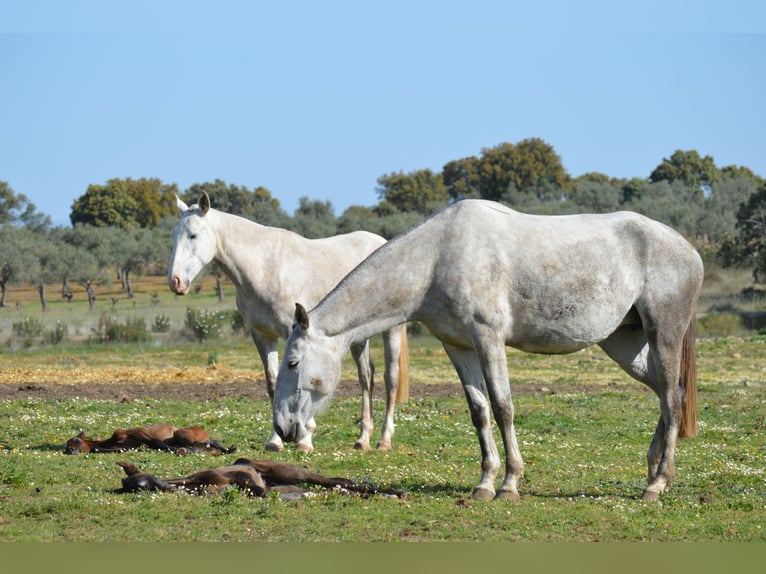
309	372
194	245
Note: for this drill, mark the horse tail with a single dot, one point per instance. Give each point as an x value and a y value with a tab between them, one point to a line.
689	381
403	390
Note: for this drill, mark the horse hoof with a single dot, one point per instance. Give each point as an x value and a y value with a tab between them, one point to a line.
361	445
507	495
384	445
308	449
274	446
650	496
482	494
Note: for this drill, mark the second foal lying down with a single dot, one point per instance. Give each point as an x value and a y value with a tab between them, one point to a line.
256	477
156	436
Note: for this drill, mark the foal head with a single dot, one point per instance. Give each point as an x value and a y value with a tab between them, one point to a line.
78	444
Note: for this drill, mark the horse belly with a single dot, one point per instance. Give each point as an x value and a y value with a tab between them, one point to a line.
561	330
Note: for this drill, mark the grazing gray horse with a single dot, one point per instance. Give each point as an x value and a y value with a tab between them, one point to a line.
263	263
481	276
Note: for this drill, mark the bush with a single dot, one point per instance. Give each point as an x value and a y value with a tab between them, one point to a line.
57	334
29	327
237	321
161	324
204	325
133	330
719	324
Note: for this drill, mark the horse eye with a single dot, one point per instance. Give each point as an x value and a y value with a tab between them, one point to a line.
292	364
192	236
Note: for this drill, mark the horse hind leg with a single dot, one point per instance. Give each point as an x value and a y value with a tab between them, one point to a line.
365	370
393	344
657	365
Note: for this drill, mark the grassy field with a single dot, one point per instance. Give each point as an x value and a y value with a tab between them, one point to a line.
584	447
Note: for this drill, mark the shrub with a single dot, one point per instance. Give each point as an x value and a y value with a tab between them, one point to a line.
719	324
204	325
57	334
161	324
237	321
133	330
28	327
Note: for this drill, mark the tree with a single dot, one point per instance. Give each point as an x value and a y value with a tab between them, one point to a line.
699	173
16	209
314	219
420	191
669	202
751	237
718	218
16	257
461	178
257	205
595	193
47	266
125	203
90	264
530	167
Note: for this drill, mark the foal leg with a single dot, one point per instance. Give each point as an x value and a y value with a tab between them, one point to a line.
467	365
361	354
391	351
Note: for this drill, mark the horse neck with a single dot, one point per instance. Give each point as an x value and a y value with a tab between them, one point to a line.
237	238
382	292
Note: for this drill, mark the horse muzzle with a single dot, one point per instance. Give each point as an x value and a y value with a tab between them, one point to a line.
287	431
177	285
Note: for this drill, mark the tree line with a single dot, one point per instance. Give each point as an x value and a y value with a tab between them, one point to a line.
124	227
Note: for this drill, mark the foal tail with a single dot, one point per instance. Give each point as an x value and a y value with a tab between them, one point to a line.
689	381
403	391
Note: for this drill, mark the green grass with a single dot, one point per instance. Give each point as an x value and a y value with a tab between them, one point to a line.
584	454
583	441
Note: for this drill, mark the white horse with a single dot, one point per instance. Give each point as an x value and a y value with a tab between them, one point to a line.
273	268
481	276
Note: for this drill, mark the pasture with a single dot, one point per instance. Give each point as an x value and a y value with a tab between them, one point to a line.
583	428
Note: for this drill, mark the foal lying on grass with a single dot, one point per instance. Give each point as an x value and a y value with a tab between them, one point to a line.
256	477
157	436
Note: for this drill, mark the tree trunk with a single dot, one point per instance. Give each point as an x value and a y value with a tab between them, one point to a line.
219	287
43	300
91	292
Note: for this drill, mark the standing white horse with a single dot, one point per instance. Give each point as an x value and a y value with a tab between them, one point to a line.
264	263
481	276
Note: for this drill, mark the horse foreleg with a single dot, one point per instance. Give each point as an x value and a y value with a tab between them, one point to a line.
468	369
361	354
495	369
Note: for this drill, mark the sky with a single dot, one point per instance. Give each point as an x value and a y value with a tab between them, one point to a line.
320	99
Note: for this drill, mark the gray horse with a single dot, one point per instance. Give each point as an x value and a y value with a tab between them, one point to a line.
262	262
481	276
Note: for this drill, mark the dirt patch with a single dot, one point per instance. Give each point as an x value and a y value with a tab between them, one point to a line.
207	390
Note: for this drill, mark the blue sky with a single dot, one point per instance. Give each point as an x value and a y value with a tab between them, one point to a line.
319	99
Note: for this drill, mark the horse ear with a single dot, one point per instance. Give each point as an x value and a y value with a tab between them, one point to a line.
81	435
204	203
301	316
181	205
